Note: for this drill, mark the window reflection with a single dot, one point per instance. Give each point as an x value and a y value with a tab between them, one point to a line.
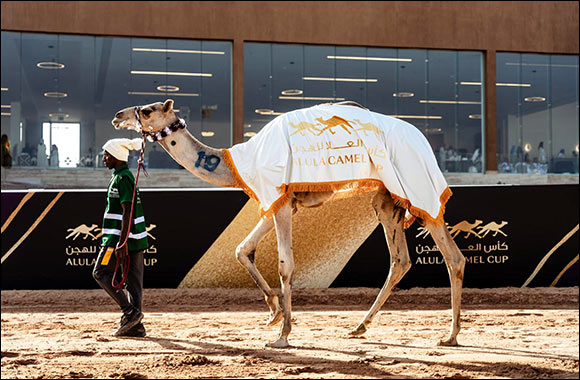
419	86
84	80
537	113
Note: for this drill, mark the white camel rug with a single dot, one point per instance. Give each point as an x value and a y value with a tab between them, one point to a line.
340	147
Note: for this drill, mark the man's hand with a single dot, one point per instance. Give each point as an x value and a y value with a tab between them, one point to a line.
121	253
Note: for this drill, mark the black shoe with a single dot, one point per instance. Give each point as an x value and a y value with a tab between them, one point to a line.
128	321
137	331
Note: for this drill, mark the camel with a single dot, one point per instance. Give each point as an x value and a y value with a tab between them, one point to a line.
159	122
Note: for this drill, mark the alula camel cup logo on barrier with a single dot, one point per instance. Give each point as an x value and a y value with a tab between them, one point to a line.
80	254
482	251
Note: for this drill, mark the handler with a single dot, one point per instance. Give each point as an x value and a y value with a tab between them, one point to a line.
117	223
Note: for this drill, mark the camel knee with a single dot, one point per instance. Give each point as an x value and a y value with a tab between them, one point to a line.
285	270
399	267
244	254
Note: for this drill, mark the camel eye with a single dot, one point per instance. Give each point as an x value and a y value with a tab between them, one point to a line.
146	112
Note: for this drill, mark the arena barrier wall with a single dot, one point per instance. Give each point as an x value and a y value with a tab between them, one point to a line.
510	235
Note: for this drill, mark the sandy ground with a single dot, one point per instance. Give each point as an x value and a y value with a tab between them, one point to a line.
220	333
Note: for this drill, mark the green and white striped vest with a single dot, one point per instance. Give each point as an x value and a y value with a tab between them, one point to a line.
120	190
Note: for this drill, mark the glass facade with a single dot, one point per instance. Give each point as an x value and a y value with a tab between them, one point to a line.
537	113
438	91
53	83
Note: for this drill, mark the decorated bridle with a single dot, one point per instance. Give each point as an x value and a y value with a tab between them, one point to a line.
160	135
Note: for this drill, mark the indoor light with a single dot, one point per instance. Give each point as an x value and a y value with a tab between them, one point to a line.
370	58
267	111
177	73
168	88
58	114
6	106
447	102
403	94
308	98
292	92
249	134
207	133
527	147
55	94
178	51
50	65
6	114
475	116
341	79
498	84
535	99
4	88
161	94
416	117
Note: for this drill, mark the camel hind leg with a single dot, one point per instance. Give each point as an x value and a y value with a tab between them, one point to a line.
392	218
245	255
455	266
283	223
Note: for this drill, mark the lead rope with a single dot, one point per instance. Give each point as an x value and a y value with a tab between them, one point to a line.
126	260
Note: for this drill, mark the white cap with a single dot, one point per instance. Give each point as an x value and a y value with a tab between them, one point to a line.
120	148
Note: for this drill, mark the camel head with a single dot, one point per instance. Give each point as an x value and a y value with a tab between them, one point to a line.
151	118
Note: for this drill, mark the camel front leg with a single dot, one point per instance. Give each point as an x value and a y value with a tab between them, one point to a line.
283	222
392	218
245	255
455	266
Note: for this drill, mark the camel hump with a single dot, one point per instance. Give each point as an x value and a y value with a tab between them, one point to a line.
349	103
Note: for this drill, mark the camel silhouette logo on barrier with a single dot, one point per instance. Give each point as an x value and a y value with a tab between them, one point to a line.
468	228
84	230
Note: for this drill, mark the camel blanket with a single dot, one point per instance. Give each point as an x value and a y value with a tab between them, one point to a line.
340	148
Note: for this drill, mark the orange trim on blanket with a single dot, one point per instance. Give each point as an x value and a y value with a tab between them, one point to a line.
239	181
351	187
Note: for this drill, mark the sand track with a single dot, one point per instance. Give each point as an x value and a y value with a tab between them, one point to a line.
220	333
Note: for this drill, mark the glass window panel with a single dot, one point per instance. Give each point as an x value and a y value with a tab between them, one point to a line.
383	67
257	87
351	65
287	69
398	82
564	113
537	114
216	98
319	74
470	111
11	91
52	78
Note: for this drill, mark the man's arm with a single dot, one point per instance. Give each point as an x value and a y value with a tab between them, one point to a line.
126	195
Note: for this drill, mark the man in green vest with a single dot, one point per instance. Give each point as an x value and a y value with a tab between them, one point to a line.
119	226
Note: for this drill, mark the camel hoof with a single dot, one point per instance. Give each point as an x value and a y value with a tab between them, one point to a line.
361	329
280	343
275	318
448	342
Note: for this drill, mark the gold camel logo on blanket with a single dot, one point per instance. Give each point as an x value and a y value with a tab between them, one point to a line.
469	229
329	124
304	126
334	121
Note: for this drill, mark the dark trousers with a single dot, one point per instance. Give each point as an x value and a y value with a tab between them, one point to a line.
103	274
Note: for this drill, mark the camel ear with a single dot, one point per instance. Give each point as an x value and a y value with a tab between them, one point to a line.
168	105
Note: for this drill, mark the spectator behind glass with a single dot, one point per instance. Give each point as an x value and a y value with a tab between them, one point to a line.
6	157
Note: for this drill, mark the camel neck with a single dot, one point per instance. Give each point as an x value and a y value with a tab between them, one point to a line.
201	160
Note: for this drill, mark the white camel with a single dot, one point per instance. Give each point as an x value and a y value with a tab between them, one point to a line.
159	121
